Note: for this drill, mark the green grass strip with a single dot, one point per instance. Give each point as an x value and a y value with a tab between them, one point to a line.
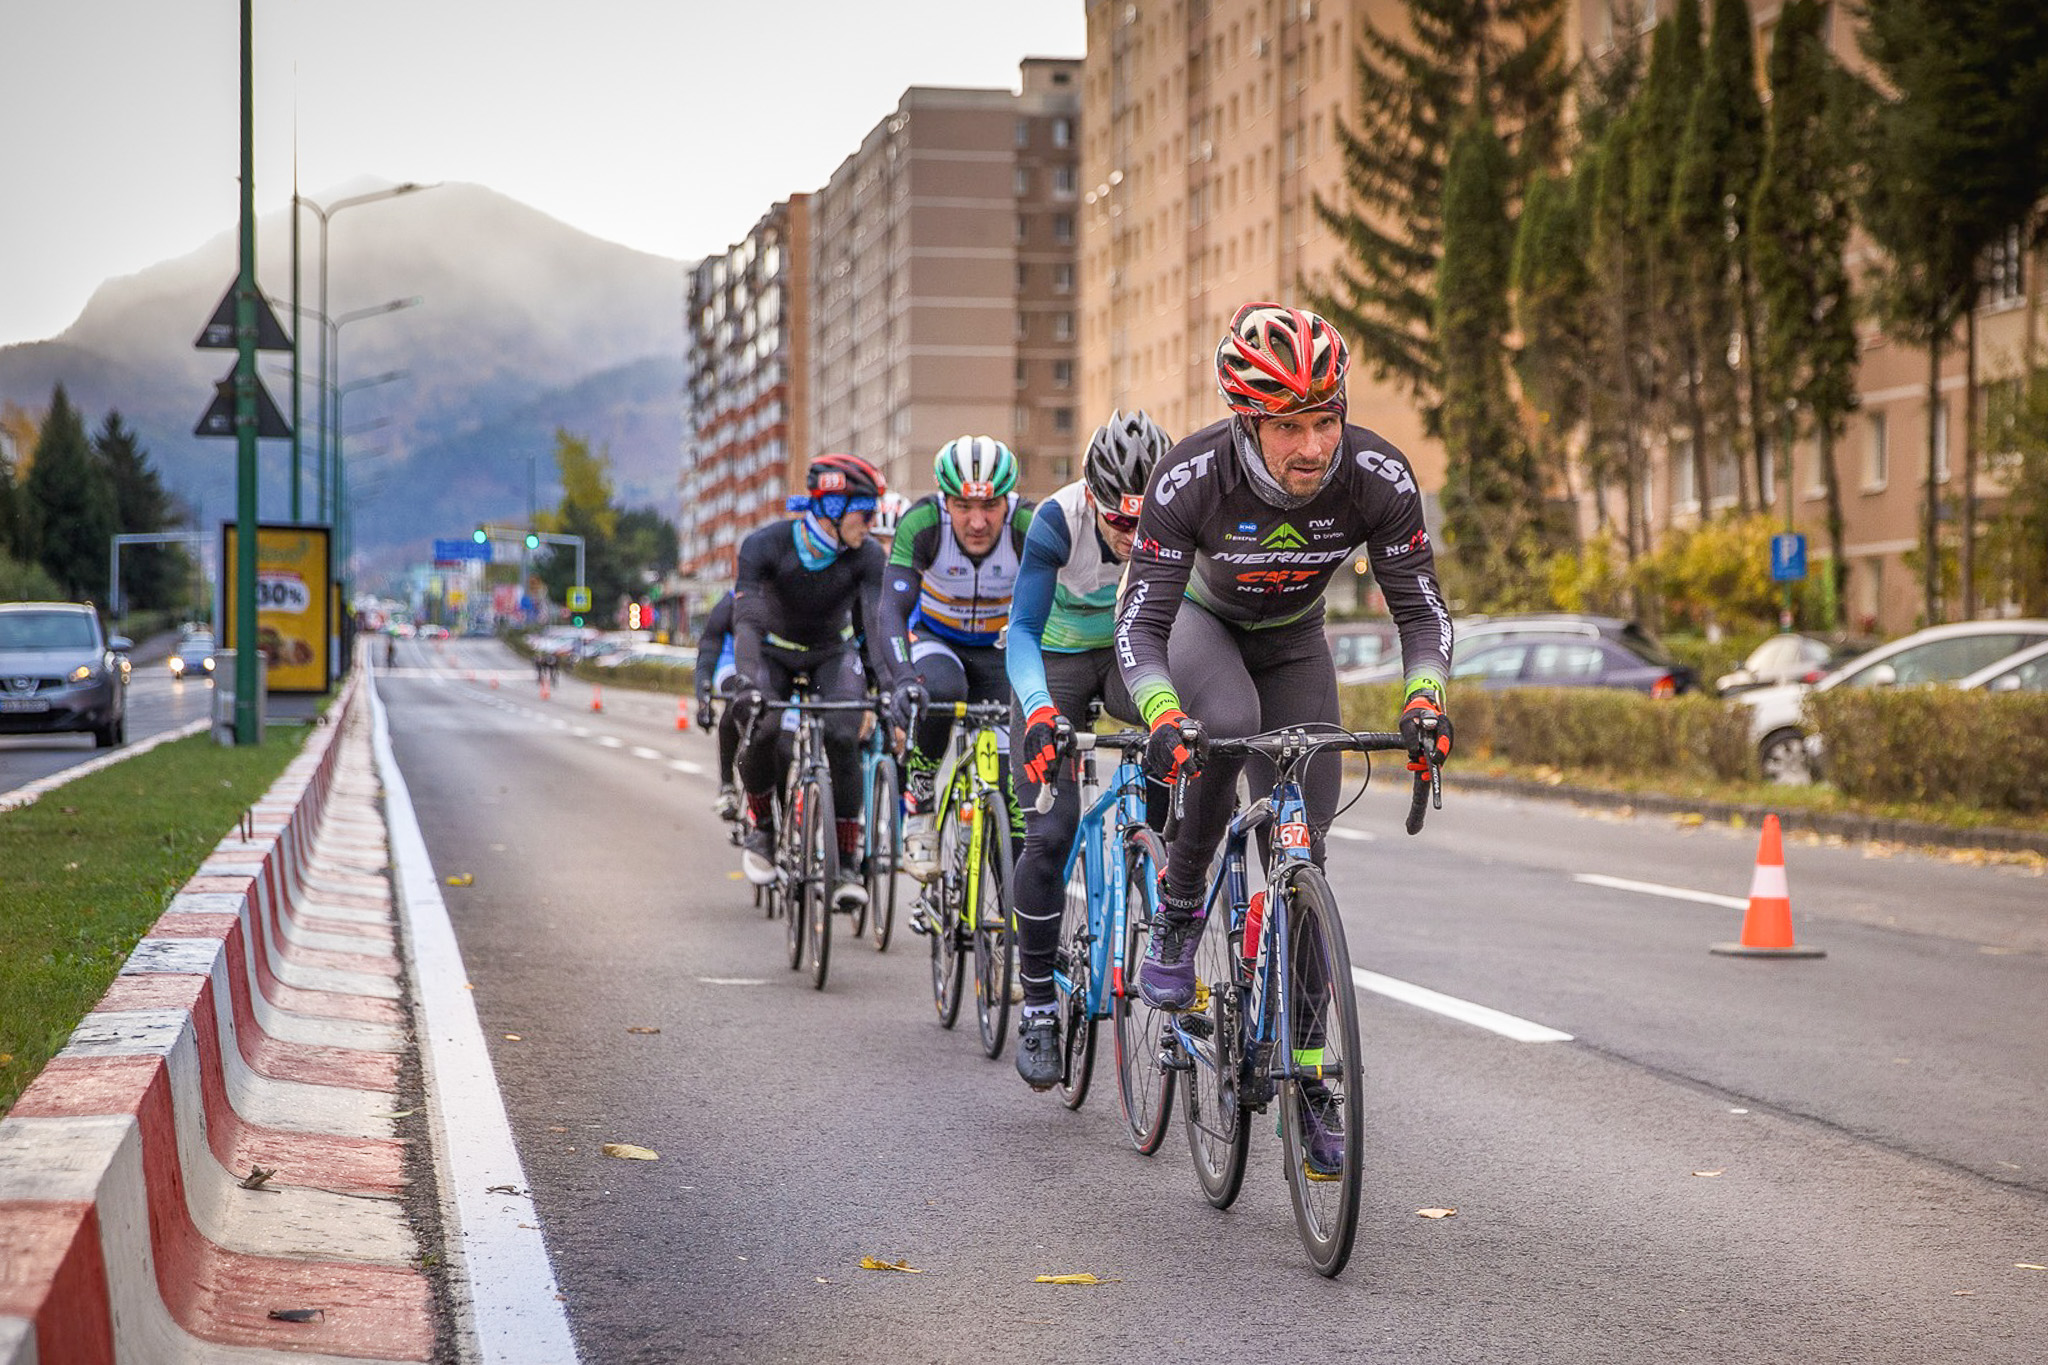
86	870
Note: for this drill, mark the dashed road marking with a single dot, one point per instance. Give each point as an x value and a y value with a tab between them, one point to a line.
1676	893
1479	1016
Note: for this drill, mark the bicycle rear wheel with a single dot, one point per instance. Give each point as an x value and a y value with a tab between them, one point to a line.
944	893
789	872
1325	1099
995	958
1073	978
1145	1086
1219	1131
821	865
884	843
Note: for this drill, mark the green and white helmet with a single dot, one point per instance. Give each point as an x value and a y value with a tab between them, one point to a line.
975	467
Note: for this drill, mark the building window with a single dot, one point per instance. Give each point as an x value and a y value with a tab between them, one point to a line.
1939	435
1062	468
1021	419
1021	381
1063	420
1062	227
1877	455
1023	132
1062	278
1062	132
1063	181
1022	182
1062	373
1023	229
1062	326
2005	270
1685	492
1023	326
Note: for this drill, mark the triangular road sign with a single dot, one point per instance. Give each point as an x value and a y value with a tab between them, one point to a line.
219	332
219	418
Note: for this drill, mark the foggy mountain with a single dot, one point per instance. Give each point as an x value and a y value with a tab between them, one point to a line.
525	325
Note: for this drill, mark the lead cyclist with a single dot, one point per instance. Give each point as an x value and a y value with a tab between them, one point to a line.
1221	615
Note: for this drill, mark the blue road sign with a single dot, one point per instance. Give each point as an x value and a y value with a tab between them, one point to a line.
461	549
1788	558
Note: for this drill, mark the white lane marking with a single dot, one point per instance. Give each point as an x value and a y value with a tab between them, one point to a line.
27	795
1676	893
683	765
731	981
580	731
1356	836
516	1311
611	741
1480	1016
642	751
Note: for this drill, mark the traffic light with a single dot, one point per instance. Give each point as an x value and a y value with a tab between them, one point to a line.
632	616
532	541
576	620
480	536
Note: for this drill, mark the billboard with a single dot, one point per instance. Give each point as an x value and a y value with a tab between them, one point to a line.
294	602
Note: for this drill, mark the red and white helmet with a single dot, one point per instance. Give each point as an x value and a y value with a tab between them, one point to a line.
1275	361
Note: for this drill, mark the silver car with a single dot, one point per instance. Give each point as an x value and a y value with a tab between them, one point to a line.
59	673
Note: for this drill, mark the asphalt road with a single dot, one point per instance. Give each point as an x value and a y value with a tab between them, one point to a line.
156	703
1730	1160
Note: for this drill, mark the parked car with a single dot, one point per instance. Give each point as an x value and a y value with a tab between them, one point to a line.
1523	660
1476	632
193	657
2026	671
59	672
1790	657
1363	645
1938	654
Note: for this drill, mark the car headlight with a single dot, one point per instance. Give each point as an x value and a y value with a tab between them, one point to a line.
209	663
82	673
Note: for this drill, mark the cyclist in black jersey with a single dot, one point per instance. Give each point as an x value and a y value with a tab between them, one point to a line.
802	583
945	603
1221	614
714	675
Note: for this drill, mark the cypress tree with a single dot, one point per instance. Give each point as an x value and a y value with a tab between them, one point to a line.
150	574
71	500
1413	95
1799	232
1553	307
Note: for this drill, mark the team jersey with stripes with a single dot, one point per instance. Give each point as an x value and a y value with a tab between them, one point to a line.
934	587
1066	593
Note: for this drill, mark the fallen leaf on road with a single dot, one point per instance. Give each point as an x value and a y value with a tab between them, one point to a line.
556	1128
501	1189
2028	1265
461	879
1435	1213
257	1175
626	1151
1965	1293
1709	1175
821	1279
400	1114
298	1314
642	1028
1083	1278
875	1263
514	1038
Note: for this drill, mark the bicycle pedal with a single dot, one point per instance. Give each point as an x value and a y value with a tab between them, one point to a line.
1320	1177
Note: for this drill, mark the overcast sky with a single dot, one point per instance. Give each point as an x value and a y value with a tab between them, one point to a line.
666	125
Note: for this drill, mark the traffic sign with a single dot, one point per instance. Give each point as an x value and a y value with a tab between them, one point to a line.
579	598
1788	558
219	332
462	549
219	417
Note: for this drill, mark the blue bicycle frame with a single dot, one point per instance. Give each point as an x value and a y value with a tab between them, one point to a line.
1104	874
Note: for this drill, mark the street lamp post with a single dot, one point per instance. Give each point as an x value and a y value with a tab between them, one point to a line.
330	478
343	522
327	368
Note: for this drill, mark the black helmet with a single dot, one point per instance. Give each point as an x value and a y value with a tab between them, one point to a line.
847	474
1120	460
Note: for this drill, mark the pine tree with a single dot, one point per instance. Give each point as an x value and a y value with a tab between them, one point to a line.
1959	156
150	574
1553	307
1412	97
71	499
1718	160
1494	498
1799	232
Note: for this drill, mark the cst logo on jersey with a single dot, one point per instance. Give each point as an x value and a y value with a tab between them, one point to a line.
1180	476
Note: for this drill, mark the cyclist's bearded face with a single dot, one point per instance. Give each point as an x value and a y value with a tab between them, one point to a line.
977	522
853	529
1298	448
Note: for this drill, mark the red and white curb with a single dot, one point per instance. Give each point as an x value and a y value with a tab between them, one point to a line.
256	1027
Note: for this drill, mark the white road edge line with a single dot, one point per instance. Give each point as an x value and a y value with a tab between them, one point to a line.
1676	893
505	1290
1464	1011
29	793
1356	836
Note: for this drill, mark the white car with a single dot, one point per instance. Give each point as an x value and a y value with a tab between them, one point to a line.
2026	671
1938	654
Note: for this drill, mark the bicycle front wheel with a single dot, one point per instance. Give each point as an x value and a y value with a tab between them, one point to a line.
794	839
1073	978
995	958
1322	1113
884	843
821	866
943	894
1219	1131
1144	1084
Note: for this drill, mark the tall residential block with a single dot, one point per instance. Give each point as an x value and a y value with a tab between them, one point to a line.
945	290
747	442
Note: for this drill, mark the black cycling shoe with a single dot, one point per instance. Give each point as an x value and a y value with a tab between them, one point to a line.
1038	1050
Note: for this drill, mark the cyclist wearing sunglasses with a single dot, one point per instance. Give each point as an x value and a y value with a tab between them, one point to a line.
945	602
1059	661
1244	524
804	584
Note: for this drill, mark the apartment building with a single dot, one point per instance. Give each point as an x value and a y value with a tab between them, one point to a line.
746	439
945	290
1210	128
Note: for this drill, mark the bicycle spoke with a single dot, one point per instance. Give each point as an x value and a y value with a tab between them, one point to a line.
1144	1086
1322	1107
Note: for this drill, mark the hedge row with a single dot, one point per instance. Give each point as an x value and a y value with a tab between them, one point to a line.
1935	744
1598	728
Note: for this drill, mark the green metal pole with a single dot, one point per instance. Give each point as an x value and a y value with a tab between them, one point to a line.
245	417
297	321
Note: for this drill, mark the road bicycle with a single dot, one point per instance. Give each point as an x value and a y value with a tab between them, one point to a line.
1112	892
806	838
1275	1012
963	907
881	835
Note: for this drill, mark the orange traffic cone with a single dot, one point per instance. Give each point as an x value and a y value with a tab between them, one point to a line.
1767	927
682	714
543	690
596	697
494	683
